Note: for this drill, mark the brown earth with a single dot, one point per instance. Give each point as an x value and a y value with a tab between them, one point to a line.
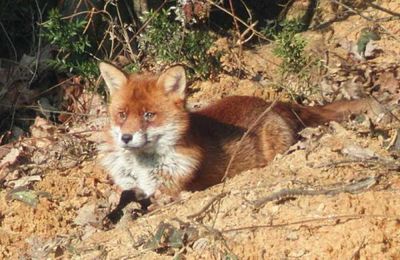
335	222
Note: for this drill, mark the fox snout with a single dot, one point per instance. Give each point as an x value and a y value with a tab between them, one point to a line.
126	138
134	140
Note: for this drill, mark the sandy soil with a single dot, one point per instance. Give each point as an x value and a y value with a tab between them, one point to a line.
316	213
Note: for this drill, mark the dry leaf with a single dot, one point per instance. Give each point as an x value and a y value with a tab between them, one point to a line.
372	50
43	132
201	244
42	128
10	158
4	150
387	81
394	144
23	181
359	152
24	195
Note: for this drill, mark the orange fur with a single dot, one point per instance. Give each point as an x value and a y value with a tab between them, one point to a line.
205	139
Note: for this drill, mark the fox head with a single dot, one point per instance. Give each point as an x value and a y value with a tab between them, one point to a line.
147	111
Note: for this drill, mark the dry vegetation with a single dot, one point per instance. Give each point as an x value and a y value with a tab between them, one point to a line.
334	194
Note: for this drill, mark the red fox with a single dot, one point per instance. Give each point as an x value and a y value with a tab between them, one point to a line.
155	144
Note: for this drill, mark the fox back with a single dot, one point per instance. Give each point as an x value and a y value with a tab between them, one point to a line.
154	144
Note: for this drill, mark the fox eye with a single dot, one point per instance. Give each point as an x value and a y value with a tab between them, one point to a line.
122	115
149	116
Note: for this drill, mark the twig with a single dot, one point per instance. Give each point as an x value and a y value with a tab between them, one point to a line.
285	9
53	87
342	162
209	204
386	110
356	254
41	109
300	222
217	234
39	44
125	35
83	12
146	23
239	20
366	18
238	145
9	40
391	164
240	42
77	6
380	8
353	10
107	32
244	136
234	17
289	193
89	21
251	27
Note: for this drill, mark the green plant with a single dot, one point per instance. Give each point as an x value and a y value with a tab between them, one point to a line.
72	44
290	47
288	44
297	67
132	67
167	41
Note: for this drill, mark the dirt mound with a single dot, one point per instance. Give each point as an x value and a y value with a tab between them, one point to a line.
334	222
334	194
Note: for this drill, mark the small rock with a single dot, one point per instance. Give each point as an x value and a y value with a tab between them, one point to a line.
86	215
292	236
298	253
321	207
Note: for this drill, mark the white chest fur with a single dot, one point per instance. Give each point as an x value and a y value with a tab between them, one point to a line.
132	170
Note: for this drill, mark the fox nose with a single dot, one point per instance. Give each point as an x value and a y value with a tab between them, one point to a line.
126	138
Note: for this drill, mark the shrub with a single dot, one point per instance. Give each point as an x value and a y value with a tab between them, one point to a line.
288	44
167	41
290	47
72	44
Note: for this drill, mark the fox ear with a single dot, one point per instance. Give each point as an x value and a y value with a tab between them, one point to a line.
114	77
173	80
